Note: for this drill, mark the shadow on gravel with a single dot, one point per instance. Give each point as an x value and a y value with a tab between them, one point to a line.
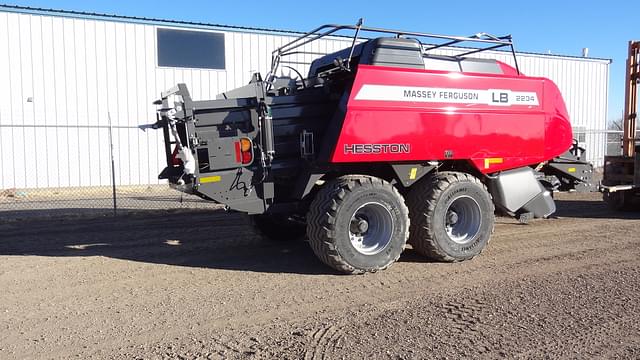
591	210
411	256
64	212
192	238
208	239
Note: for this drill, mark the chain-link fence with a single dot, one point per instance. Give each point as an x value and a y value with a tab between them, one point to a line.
600	142
19	203
114	163
118	193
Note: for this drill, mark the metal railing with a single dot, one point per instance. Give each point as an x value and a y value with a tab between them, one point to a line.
482	41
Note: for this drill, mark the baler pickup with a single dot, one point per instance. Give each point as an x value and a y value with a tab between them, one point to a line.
386	141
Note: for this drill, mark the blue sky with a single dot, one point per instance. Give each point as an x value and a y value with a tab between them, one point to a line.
562	27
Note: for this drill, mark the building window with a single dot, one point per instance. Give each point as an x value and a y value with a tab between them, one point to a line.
190	49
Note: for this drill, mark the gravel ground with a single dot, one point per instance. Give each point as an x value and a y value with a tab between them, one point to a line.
204	285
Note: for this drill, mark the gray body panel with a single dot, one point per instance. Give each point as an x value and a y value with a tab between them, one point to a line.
396	52
212	130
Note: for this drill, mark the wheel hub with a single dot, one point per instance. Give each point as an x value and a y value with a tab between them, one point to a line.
452	217
371	228
462	220
359	226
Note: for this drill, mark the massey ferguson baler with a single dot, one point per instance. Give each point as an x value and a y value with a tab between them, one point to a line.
383	143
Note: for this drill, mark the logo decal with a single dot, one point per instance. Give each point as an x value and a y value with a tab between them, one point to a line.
495	97
377	148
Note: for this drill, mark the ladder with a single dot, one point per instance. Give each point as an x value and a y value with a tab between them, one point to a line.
631	100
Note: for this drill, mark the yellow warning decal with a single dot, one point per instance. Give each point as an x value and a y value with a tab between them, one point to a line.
210	179
413	173
490	161
571	170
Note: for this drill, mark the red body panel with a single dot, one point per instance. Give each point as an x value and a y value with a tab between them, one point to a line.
497	122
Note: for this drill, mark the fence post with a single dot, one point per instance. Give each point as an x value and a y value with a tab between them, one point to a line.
113	168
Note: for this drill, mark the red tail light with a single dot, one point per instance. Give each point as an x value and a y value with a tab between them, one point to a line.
244	151
175	161
247	157
238	152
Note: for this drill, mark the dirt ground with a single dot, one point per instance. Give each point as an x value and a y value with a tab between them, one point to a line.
203	284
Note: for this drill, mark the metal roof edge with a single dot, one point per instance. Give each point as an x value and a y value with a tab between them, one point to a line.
571	57
134	19
204	25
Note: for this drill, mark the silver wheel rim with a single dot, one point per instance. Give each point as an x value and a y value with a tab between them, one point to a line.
371	228
462	219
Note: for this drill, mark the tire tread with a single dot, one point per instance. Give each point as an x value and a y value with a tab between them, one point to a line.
322	215
422	200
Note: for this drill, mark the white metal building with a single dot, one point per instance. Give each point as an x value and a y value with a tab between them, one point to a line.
63	73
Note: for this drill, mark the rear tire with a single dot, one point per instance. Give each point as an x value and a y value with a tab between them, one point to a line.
620	200
452	217
358	224
278	227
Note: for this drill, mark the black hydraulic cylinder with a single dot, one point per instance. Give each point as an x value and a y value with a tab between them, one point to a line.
267	134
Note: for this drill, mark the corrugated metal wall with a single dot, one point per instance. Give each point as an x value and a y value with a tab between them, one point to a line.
62	76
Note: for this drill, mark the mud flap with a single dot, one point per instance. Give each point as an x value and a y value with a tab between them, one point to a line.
540	206
519	193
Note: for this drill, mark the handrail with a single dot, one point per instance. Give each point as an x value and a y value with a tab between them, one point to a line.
331	29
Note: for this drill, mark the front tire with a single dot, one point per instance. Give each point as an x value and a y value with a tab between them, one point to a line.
452	217
358	224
